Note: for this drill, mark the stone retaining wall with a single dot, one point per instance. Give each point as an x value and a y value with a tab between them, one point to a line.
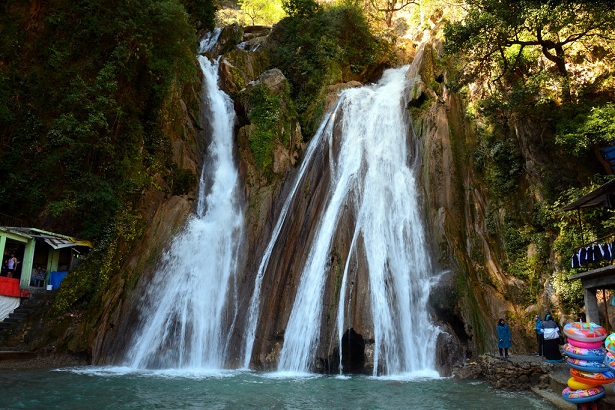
518	373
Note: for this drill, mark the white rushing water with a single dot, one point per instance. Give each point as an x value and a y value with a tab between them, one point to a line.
192	298
253	312
373	174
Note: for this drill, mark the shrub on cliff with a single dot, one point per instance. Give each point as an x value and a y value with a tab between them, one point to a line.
315	47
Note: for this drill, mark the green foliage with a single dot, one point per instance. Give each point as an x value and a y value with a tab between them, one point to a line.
301	8
498	156
317	49
585	130
503	38
92	276
184	181
83	87
569	292
596	222
272	118
202	13
263	12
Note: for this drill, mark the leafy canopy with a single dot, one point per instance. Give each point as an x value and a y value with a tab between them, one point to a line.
495	33
83	87
582	132
264	12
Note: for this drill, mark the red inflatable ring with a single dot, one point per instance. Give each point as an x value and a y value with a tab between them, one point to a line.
593	378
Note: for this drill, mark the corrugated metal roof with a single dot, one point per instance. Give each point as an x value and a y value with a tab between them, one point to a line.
56	241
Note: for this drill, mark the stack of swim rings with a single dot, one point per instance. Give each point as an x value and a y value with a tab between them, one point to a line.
587	358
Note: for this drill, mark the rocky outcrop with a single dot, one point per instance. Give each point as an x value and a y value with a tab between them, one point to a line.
469	297
518	373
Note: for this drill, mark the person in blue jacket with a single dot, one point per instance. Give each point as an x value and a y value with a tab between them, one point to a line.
504	338
540	335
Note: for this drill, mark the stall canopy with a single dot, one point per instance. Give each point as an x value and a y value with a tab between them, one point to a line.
34	248
600	277
55	240
604	196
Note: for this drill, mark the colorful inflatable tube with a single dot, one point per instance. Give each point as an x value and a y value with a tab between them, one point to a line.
609	343
583	395
586	365
609	360
585	332
585	345
594	355
574	384
592	378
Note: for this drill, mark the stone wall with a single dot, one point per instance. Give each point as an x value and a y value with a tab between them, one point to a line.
518	373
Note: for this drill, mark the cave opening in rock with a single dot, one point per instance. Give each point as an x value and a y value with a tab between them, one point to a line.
353	352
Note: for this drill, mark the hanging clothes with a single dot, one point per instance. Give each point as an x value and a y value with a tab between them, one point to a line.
597	253
582	257
575	261
589	252
606	253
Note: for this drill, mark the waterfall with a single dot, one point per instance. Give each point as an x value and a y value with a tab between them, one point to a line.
253	311
373	174
192	302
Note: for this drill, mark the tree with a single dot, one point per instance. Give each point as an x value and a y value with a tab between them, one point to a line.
301	8
495	34
265	12
390	7
202	13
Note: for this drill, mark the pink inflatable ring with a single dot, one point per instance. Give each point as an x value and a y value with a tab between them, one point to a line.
585	345
582	396
609	343
585	332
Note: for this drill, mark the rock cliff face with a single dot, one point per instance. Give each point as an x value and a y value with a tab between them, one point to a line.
463	303
469	296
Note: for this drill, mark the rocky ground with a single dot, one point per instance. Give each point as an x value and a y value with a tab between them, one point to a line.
528	372
26	360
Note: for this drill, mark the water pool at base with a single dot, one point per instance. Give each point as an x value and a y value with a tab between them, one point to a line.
122	388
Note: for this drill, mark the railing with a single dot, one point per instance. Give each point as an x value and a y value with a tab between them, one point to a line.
8	220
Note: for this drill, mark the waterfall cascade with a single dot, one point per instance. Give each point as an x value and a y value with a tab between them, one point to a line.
373	173
192	303
193	293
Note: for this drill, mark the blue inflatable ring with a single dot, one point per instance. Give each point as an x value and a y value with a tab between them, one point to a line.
591	355
587	366
582	396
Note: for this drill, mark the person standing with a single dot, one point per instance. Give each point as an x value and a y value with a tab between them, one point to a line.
551	340
540	335
11	266
504	338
